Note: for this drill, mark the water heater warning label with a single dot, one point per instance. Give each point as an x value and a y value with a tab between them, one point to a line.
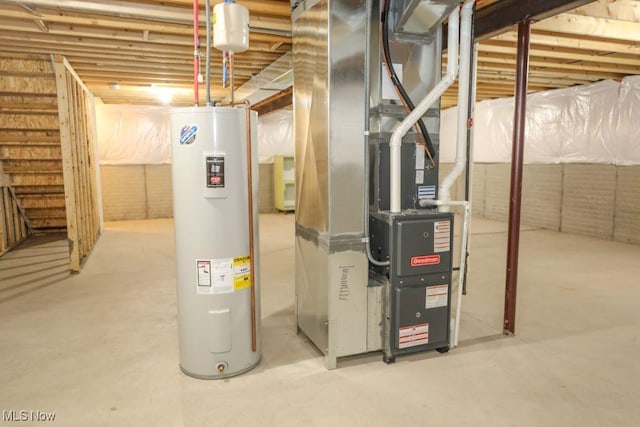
214	276
204	272
215	171
223	275
241	272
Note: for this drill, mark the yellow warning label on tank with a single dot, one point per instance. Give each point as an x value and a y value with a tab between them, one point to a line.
241	272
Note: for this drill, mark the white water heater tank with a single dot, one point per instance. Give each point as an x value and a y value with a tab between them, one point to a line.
218	317
230	27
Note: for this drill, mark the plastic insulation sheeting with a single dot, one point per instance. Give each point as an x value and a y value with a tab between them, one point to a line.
595	123
138	134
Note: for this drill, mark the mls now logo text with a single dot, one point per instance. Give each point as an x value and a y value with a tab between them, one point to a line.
25	415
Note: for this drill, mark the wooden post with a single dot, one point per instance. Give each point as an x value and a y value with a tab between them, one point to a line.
67	162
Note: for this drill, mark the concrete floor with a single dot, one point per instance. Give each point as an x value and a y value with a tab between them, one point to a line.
100	348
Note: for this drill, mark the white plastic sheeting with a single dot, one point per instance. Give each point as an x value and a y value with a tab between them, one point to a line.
136	134
275	135
133	134
628	147
596	123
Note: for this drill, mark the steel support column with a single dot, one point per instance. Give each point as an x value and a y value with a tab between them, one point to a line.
517	157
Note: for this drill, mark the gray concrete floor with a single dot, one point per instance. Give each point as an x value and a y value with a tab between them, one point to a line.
100	348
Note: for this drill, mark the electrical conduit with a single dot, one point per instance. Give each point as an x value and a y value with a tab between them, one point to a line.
466	23
196	53
402	128
208	59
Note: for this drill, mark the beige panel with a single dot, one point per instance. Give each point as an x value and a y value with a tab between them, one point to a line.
589	198
627	214
542	196
265	190
479	188
123	192
159	191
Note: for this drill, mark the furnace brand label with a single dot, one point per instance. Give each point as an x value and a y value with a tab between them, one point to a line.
411	336
419	261
188	134
241	272
442	236
437	296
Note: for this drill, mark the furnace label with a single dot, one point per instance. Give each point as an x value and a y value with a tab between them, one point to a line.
241	272
420	261
442	236
411	336
437	296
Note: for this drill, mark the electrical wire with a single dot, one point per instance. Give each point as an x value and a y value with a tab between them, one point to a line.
408	105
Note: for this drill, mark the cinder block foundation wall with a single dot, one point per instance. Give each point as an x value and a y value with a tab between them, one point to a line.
594	200
131	192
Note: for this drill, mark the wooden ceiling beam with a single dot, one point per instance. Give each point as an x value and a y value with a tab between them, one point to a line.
263	7
275	102
551	71
543	61
500	16
579	25
618	10
543	38
89	55
39	39
564	55
148	32
161	13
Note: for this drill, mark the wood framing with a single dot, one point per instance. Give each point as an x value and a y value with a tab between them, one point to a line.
14	225
77	134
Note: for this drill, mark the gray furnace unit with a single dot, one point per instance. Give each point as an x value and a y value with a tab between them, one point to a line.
373	261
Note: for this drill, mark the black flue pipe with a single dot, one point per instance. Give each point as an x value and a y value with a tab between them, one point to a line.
517	160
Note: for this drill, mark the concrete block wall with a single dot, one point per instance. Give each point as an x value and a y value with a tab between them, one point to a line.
132	192
123	192
496	202
542	196
589	193
601	201
627	207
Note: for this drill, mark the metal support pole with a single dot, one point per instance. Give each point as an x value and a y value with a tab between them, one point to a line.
517	157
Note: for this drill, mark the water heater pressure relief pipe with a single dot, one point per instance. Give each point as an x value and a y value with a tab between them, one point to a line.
400	130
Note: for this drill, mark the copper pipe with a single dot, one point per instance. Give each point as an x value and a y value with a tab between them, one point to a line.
247	104
517	158
251	229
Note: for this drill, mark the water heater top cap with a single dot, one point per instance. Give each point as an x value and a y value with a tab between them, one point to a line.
230	27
